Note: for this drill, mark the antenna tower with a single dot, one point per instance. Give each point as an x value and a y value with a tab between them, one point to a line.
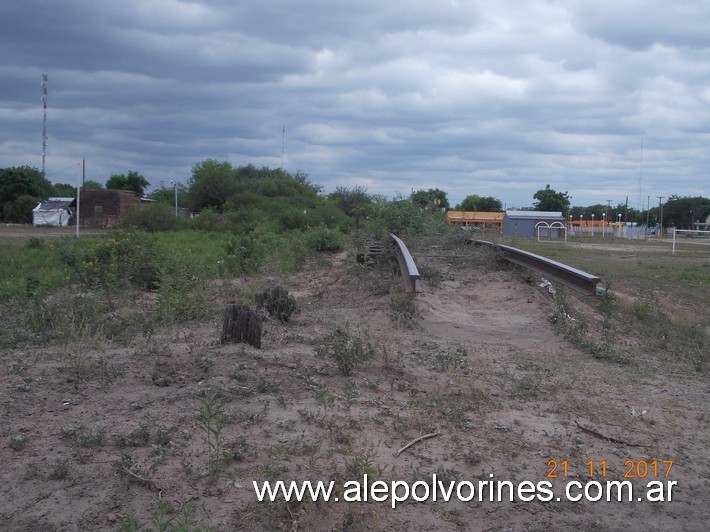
640	198
283	143
44	121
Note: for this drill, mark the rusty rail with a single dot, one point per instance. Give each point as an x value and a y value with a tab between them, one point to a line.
410	274
578	280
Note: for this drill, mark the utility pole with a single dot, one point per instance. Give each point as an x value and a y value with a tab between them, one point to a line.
660	221
44	121
606	215
176	205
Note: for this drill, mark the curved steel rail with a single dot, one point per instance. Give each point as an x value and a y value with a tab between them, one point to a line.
410	274
578	280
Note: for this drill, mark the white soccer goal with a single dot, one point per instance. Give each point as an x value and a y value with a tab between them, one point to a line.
701	234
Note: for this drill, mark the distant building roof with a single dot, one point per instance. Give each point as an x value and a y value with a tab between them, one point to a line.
474	216
61	198
53	204
535	215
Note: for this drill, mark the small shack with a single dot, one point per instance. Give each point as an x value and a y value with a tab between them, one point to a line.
528	223
486	221
54	212
102	207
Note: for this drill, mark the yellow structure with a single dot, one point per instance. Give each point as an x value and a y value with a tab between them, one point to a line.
484	220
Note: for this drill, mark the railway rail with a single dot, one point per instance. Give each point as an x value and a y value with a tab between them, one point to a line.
578	280
573	278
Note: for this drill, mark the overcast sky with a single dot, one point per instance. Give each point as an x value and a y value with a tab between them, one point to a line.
603	99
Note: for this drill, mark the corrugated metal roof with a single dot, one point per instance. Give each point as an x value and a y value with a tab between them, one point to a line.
52	205
535	215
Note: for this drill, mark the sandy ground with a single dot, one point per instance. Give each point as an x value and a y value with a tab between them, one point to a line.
481	365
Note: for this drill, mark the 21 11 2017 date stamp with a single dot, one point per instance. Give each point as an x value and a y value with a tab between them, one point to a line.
632	469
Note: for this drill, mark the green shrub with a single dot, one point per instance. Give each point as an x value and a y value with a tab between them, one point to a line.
347	351
282	307
244	255
324	239
153	217
401	217
182	298
125	257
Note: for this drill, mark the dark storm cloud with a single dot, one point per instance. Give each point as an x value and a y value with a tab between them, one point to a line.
492	98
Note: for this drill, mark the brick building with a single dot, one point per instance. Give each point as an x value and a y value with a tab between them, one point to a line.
101	207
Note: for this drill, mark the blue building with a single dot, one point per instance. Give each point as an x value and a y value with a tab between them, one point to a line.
528	223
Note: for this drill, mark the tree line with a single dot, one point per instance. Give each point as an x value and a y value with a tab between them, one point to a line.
247	197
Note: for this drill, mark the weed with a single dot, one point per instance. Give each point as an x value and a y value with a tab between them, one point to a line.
349	396
119	259
135	438
282	307
244	255
347	351
363	463
165	520
237	448
31	471
527	387
182	298
448	360
34	243
266	386
17	443
403	311
279	452
163	436
210	420
431	275
313	454
108	373
127	468
324	398
645	307
18	367
237	372
472	457
325	239
84	437
456	409
60	470
608	305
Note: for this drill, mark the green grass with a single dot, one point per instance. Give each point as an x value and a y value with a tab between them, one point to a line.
34	267
637	266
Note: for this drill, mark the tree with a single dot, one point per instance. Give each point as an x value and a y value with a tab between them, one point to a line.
426	199
354	203
166	195
63	190
20	210
475	202
20	181
683	211
211	184
549	199
131	181
90	183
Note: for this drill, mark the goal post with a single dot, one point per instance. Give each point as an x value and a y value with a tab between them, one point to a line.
703	234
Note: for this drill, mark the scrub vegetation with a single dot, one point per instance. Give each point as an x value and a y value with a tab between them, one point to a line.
115	380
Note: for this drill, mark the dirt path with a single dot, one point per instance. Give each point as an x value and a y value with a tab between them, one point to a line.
481	365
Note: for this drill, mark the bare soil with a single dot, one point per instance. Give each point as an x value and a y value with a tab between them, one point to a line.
97	431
